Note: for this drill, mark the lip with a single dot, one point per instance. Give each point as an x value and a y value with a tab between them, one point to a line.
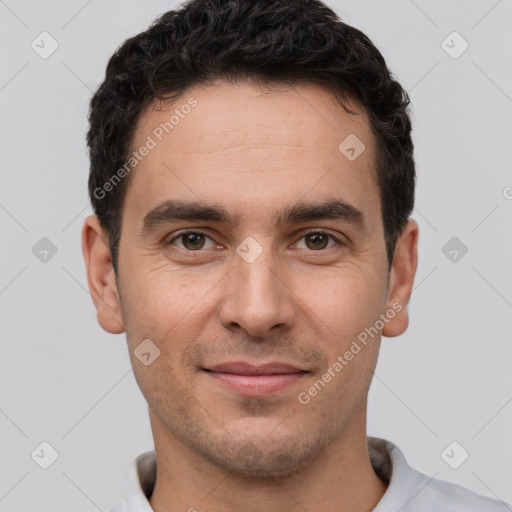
255	381
245	368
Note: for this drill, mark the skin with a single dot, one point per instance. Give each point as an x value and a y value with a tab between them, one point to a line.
255	152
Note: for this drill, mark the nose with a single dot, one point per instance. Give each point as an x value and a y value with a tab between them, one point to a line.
257	297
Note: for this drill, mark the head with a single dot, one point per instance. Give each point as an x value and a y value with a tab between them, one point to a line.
275	136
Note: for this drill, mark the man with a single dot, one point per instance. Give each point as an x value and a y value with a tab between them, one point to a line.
252	176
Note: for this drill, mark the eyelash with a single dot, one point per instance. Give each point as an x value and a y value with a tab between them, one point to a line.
314	232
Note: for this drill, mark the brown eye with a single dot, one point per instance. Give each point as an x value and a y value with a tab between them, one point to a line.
191	241
316	241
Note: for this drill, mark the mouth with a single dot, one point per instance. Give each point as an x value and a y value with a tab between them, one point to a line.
255	381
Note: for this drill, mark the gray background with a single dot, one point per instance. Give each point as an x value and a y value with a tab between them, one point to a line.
65	381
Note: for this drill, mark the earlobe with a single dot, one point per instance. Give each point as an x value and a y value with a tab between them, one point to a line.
100	276
405	263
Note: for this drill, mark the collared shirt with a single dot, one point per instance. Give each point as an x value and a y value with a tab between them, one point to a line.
408	489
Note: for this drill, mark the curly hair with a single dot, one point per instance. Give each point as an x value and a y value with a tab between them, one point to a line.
268	41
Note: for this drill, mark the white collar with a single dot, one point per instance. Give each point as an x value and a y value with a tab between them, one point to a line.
408	489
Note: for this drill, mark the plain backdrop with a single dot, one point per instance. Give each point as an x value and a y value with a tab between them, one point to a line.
66	382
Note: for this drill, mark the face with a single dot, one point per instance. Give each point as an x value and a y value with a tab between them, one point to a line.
252	257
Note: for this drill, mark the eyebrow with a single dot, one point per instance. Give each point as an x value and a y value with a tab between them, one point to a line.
179	210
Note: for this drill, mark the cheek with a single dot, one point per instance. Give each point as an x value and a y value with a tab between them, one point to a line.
157	302
162	308
159	386
345	302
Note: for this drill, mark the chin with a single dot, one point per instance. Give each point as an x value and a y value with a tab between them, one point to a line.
263	458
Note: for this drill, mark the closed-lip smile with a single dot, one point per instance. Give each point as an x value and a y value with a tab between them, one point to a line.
255	380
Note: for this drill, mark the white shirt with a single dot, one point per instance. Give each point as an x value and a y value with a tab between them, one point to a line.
408	490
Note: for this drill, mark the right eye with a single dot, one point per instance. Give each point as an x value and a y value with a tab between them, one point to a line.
191	241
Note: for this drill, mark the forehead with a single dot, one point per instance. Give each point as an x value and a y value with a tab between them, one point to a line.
248	146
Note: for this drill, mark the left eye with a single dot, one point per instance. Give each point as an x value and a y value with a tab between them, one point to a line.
318	240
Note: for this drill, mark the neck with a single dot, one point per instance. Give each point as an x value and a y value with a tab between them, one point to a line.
341	479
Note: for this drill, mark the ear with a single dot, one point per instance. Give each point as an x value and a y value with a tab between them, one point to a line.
401	279
100	276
